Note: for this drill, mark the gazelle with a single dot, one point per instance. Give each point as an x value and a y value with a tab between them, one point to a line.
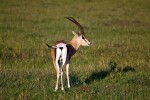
62	52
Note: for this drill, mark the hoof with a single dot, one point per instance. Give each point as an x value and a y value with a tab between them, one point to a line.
55	90
62	89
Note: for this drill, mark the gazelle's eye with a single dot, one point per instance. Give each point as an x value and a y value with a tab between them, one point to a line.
83	37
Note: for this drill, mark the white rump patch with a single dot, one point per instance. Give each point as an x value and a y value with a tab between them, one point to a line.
61	45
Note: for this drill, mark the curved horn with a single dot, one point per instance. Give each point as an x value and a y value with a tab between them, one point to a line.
77	23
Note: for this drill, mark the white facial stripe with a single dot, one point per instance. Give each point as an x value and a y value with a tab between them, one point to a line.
85	42
85	39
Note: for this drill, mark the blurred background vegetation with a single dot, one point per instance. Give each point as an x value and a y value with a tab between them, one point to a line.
115	66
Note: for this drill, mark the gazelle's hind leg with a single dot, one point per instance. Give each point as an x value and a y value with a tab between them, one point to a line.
58	54
57	71
64	55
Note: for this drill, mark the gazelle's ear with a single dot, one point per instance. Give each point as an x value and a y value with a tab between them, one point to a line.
74	33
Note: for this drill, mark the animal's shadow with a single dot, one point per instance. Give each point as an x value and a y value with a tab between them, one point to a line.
75	80
98	75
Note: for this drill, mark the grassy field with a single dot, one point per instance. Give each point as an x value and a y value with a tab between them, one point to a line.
116	66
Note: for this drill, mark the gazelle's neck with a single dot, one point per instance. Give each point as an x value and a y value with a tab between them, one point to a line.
74	43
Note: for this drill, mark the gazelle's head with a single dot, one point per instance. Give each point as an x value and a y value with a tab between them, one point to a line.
79	37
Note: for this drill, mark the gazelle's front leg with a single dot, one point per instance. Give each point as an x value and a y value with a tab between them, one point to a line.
67	73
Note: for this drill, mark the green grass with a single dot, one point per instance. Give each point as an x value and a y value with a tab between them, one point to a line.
116	66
